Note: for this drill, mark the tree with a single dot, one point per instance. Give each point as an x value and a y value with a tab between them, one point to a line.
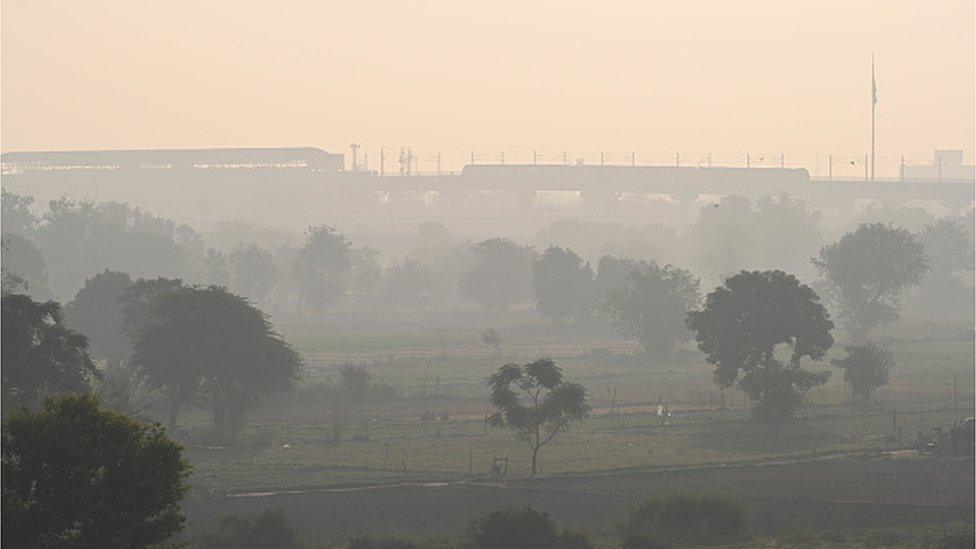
564	285
355	382
752	320
652	304
23	260
210	341
501	275
611	272
322	266
544	405
679	520
78	476
40	355
867	270
265	529
948	284
216	270
522	528
254	271
409	284
16	217
81	239
364	270
99	312
865	369
492	338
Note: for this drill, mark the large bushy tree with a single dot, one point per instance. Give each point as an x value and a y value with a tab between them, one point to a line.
866	368
78	476
322	267
533	401
41	355
756	328
98	311
501	276
19	258
651	306
948	285
867	270
212	342
254	271
564	285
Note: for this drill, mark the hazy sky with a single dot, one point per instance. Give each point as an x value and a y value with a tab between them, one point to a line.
453	75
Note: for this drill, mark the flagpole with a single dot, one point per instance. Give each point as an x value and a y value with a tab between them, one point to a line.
874	102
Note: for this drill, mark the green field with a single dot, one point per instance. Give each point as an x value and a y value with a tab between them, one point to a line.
438	363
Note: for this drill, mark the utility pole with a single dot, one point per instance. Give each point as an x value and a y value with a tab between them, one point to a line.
382	160
709	160
438	163
472	157
501	157
830	167
782	160
633	159
866	168
901	171
601	158
535	157
565	158
748	160
677	159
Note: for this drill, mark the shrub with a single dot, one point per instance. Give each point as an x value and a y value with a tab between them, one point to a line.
678	519
266	529
522	529
375	543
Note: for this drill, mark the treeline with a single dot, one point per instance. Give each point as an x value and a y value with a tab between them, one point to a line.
575	271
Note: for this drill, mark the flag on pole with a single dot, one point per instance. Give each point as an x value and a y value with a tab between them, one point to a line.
874	85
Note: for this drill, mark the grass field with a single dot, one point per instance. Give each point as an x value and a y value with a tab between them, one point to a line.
439	363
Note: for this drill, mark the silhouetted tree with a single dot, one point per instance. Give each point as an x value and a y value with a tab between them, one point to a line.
534	402
99	312
364	270
254	271
216	271
564	285
750	320
322	267
22	259
949	282
79	240
16	217
355	382
261	531
867	270
611	272
522	528
78	476
501	276
409	284
680	520
652	304
865	369
211	341
40	355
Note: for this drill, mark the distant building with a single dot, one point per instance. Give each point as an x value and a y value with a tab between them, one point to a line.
308	158
947	165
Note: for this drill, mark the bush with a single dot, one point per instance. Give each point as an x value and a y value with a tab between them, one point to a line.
267	529
679	519
522	529
373	543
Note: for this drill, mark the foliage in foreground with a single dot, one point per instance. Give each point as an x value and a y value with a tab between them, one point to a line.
679	519
266	529
522	528
76	475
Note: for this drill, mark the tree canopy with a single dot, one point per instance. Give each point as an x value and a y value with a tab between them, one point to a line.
78	476
749	323
212	342
867	270
501	275
254	271
98	311
533	401
564	285
322	267
41	355
651	305
866	368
